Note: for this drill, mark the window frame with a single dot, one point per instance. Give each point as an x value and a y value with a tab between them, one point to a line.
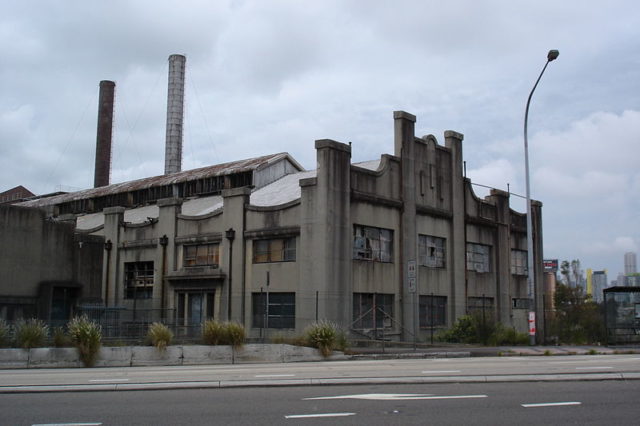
439	304
519	262
478	257
282	310
372	244
432	251
143	273
272	250
363	318
212	257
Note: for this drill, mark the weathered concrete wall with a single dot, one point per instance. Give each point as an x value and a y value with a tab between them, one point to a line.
34	250
139	356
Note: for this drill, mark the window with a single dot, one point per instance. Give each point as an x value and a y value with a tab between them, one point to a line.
431	251
478	257
433	311
138	280
518	262
521	303
480	305
281	310
370	310
274	250
201	255
194	307
371	243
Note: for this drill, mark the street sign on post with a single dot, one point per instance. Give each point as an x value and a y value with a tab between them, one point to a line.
412	285
532	323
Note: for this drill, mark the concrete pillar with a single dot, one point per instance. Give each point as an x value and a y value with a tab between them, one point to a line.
232	261
104	134
405	147
166	254
502	253
326	235
112	291
175	114
458	302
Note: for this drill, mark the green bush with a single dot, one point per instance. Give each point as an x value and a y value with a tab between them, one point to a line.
159	335
463	331
87	337
227	333
60	338
5	334
31	333
508	336
322	335
475	329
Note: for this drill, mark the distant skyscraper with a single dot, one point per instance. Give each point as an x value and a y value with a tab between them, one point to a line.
599	283
630	263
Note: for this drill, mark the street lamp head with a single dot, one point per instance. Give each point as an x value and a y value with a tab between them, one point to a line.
552	55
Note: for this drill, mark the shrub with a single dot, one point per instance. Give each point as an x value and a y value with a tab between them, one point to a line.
322	335
508	336
212	332
475	329
31	333
159	335
60	338
5	334
87	337
227	333
234	334
463	331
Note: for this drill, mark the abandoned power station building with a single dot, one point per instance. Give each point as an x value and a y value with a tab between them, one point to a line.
398	246
387	245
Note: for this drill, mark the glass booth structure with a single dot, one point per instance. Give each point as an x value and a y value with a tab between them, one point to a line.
622	314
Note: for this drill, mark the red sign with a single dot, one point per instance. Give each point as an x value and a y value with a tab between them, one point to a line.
532	323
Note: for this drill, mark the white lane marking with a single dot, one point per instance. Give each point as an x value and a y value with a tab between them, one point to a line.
395	397
550	404
594	368
440	371
109	380
275	375
306	416
67	424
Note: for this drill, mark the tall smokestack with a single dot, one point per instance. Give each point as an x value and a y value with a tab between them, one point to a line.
175	115
103	138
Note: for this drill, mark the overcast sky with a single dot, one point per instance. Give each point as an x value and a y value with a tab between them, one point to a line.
272	76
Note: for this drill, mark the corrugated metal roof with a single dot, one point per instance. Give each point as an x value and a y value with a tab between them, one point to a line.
157	181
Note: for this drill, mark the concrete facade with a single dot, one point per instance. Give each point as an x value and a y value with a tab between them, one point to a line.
313	267
398	247
47	268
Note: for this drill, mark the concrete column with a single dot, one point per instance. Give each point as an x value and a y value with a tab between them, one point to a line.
502	252
175	114
405	147
112	291
166	255
232	261
325	238
104	133
453	141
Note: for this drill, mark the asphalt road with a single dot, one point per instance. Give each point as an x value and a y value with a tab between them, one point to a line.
549	403
490	369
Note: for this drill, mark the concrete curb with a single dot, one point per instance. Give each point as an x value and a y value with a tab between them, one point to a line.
144	356
220	384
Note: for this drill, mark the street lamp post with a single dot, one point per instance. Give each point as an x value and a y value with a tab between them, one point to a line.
551	56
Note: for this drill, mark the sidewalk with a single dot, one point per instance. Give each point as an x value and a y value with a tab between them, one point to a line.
462	350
